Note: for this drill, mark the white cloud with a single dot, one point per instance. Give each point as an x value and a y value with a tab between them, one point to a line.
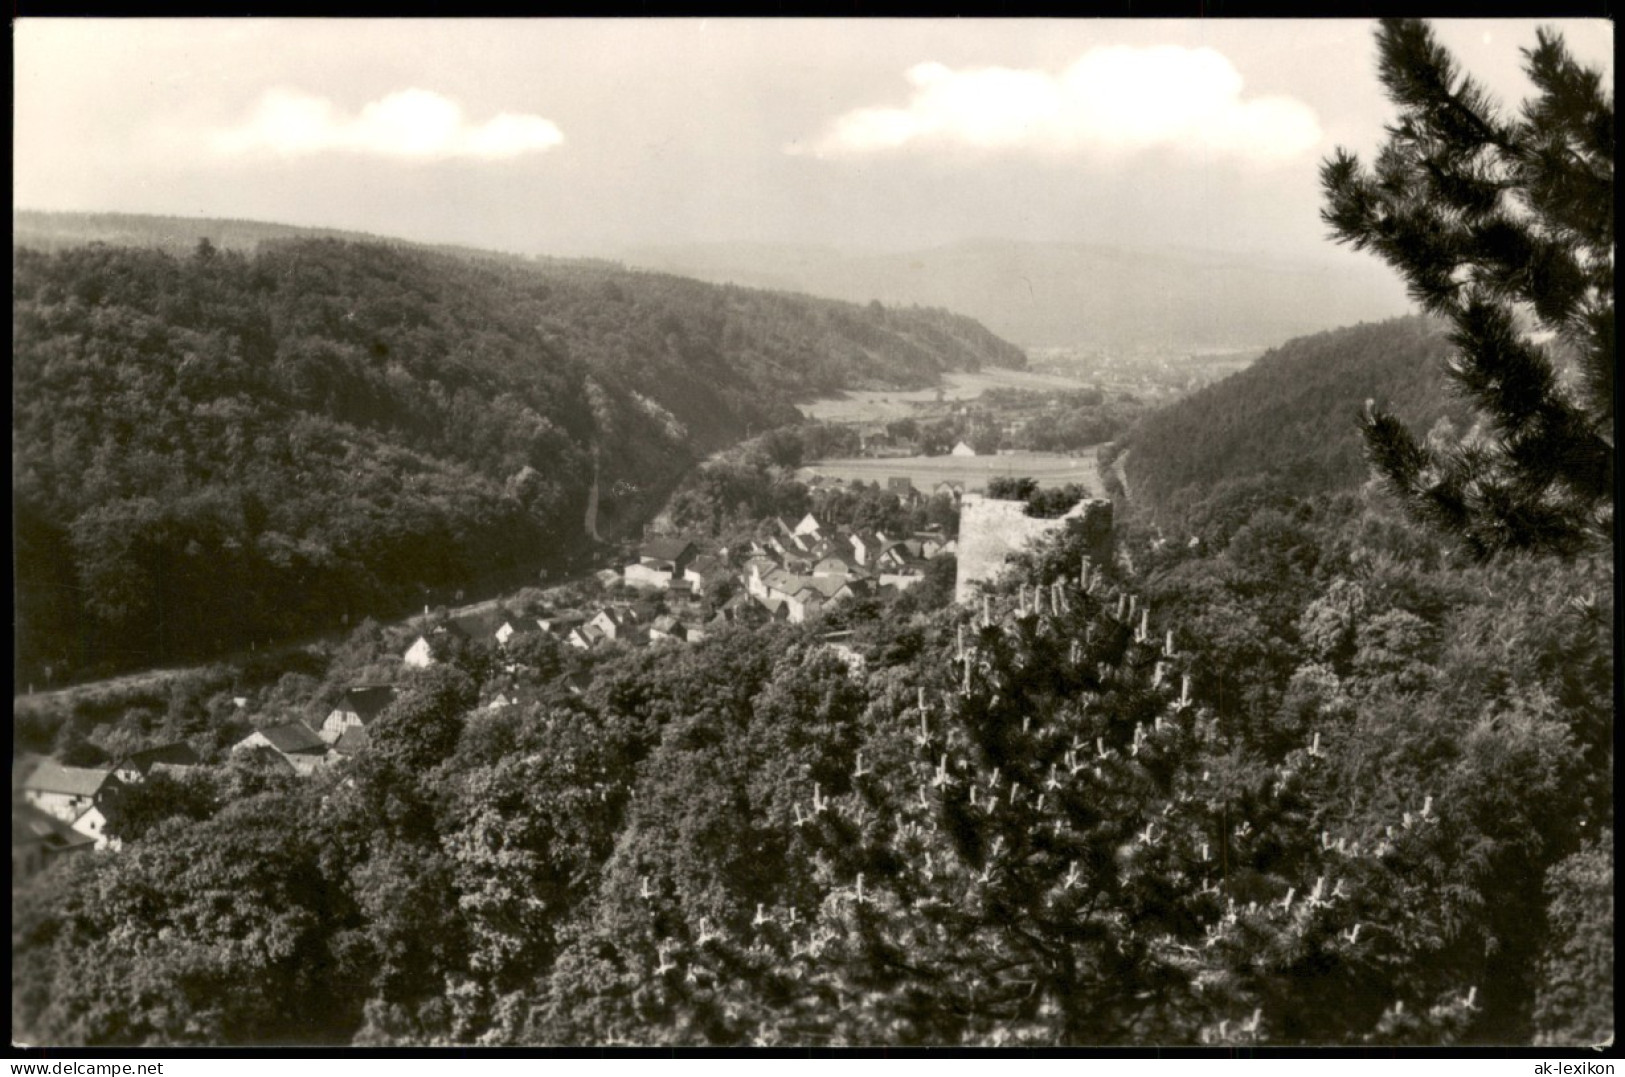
408	123
1116	99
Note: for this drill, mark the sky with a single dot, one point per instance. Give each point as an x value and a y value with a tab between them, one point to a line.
591	137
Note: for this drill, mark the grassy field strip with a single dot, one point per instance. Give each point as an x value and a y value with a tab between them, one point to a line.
1050	469
882	405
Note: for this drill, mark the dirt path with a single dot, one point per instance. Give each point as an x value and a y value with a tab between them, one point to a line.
1119	469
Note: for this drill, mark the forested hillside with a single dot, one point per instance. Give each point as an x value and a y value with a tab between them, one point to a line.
1292	417
221	447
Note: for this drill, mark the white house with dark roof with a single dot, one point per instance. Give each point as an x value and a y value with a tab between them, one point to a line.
420	655
360	705
511	628
92	823
866	546
585	637
64	792
295	742
668	555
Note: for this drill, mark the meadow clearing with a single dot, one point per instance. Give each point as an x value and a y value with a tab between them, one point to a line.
925	472
887	405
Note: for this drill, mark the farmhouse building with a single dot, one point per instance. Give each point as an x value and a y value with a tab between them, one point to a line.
64	792
295	742
37	838
420	655
356	710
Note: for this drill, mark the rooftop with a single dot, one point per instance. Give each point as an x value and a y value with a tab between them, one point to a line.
293	737
52	777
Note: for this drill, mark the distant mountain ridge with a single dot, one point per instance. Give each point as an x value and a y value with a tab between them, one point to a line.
47	230
1061	294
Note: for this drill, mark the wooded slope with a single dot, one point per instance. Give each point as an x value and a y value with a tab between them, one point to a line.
220	447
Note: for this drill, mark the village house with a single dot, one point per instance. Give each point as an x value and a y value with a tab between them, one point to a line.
826	545
295	742
787	545
420	655
668	555
836	564
135	767
962	449
637	574
467	626
809	525
353	741
618	623
481	625
92	823
513	628
585	637
360	705
755	573
64	792
866	546
895	555
38	838
777	608
804	597
705	570
743	607
667	627
560	622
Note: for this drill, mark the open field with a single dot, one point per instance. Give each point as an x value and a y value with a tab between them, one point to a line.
1050	469
886	405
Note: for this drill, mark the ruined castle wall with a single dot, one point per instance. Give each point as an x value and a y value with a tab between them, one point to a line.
991	530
